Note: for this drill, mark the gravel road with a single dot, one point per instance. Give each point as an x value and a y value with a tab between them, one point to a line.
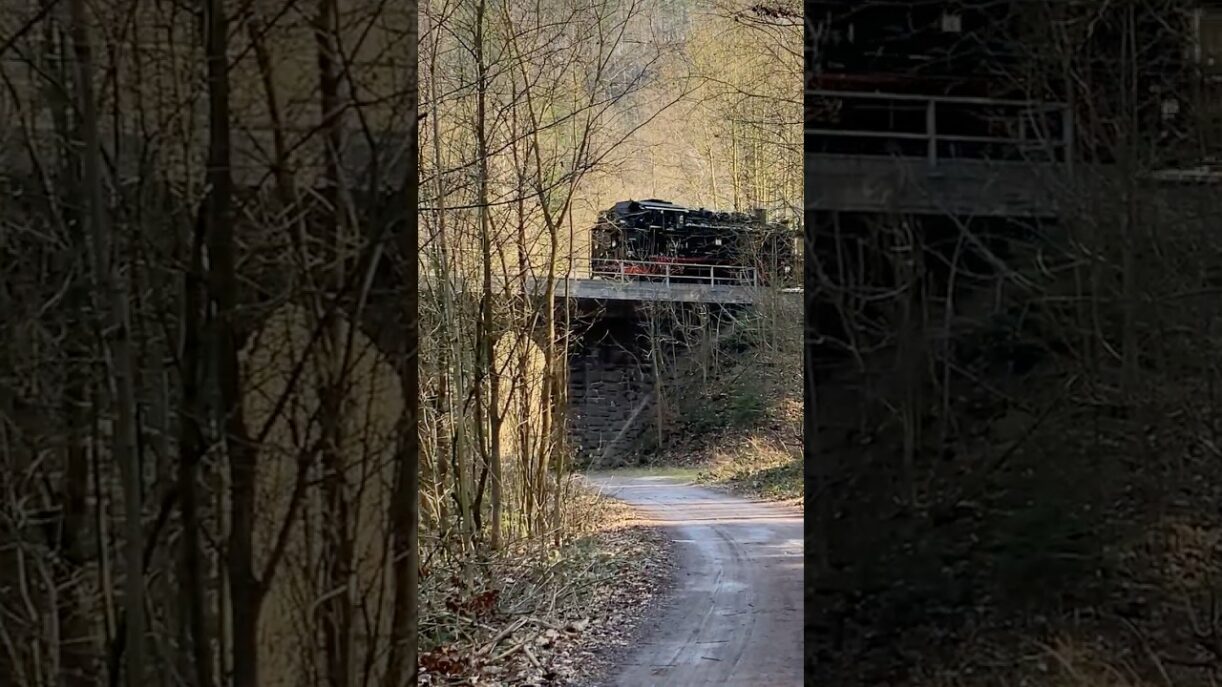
735	615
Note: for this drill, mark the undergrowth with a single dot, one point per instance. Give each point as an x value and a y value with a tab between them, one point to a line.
533	615
740	424
1064	545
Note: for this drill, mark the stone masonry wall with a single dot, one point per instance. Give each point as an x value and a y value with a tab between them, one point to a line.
611	396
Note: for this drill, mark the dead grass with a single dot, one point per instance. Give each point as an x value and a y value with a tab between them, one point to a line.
759	466
1085	552
534	616
1063	662
1077	665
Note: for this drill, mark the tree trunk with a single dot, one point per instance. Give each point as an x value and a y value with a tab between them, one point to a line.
445	445
1129	236
245	597
335	613
405	505
487	335
117	326
192	447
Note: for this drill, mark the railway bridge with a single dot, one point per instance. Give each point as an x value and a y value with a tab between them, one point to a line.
611	314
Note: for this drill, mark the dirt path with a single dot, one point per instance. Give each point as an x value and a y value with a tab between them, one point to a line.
735	617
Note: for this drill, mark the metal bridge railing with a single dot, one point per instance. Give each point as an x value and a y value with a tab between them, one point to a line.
651	271
1030	125
668	273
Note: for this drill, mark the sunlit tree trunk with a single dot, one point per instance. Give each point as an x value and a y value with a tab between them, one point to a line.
487	327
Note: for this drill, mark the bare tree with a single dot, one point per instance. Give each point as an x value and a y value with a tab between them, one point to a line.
193	399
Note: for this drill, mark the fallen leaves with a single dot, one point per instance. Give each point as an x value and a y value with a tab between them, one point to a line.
444	660
545	618
475	606
590	642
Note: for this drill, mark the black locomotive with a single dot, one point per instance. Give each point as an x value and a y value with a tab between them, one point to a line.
658	240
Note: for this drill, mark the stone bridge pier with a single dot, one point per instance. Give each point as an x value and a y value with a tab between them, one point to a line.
613	408
611	385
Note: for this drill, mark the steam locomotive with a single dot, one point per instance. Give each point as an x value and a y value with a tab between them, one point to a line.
655	239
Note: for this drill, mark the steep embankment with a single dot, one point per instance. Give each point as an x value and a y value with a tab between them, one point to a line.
735	418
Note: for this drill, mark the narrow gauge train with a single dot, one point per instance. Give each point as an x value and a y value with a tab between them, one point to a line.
655	239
